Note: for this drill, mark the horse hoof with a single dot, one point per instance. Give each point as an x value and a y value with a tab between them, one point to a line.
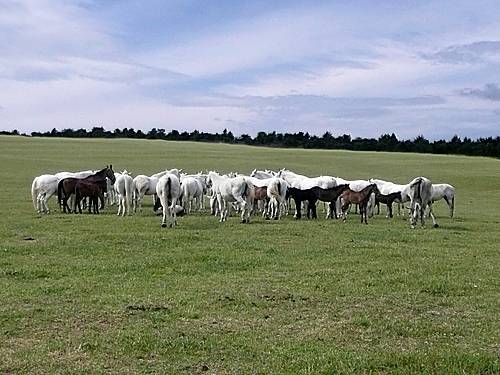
163	225
436	225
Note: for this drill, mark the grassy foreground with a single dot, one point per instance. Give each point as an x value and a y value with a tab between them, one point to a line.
102	294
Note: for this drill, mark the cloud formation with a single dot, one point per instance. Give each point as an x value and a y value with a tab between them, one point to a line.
289	66
490	91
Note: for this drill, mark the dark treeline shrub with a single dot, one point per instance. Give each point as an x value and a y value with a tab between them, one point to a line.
387	142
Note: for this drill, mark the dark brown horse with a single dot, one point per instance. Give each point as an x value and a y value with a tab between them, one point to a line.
66	187
330	196
92	190
360	198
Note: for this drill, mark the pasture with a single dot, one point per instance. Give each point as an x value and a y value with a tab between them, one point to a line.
106	294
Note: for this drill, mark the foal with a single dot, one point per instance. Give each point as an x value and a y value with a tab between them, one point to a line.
360	198
299	196
93	190
387	199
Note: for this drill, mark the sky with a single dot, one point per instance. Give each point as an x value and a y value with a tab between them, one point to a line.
358	67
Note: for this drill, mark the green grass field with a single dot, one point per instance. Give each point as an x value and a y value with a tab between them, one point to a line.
102	294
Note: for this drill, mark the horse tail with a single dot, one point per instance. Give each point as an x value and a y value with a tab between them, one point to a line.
34	192
168	188
417	186
245	191
60	192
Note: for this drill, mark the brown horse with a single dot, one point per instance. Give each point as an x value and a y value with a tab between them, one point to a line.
93	190
261	195
66	187
358	197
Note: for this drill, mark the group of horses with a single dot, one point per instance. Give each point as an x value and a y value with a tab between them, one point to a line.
267	192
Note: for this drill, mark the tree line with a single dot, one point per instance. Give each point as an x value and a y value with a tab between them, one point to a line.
489	146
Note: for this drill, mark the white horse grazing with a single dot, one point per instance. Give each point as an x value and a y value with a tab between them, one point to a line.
387	187
262	175
446	192
302	182
192	191
420	192
168	190
124	189
276	191
82	174
276	195
237	189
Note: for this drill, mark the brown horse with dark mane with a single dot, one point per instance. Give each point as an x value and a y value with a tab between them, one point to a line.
358	197
66	187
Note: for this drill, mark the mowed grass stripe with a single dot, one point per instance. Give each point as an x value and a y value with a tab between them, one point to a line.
102	294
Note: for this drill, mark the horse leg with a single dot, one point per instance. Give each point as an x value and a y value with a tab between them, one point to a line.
243	204
344	209
450	206
389	209
312	204
434	222
222	207
298	209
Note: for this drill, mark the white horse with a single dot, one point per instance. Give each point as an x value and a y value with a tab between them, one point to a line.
146	185
192	191
446	192
237	189
420	192
168	190
276	191
276	195
262	175
387	187
124	189
42	188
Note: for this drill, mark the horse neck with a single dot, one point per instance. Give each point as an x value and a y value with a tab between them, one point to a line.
101	175
367	190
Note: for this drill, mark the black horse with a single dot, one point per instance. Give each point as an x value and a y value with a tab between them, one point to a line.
387	199
66	187
312	195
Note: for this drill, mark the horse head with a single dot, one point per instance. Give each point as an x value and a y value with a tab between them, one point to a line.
110	173
375	189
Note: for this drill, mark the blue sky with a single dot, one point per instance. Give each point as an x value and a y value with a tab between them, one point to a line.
363	67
